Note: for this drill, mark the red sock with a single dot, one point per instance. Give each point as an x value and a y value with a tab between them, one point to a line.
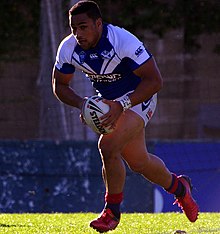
176	187
113	202
113	198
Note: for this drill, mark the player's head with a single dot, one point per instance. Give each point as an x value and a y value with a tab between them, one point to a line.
90	8
86	23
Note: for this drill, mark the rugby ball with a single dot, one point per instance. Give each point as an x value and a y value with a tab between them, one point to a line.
93	108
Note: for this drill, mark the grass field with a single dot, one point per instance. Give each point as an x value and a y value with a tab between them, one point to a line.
136	223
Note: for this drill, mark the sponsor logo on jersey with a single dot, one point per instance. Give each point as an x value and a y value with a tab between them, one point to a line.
139	51
104	78
93	56
82	57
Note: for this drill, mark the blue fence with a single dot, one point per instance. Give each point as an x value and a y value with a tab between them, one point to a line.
47	176
39	176
199	160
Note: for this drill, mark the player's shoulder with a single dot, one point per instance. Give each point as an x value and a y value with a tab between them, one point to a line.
118	33
121	37
124	42
68	43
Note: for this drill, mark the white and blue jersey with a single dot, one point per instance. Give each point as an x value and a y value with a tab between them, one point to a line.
109	65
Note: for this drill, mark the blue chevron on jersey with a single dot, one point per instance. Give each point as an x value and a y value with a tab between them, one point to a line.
109	65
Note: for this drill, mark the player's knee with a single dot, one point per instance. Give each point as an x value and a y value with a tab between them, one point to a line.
107	148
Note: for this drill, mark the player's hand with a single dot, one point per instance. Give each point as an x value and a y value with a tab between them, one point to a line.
110	118
82	120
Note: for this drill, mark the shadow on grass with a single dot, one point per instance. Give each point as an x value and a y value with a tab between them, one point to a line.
11	225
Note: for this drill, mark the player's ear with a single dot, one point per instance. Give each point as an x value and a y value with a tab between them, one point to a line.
99	22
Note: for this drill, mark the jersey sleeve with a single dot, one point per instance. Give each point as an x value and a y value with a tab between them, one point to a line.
63	58
131	49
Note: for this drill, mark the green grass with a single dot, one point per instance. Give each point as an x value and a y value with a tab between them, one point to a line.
135	223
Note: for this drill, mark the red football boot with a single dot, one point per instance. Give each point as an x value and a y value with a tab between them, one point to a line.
105	222
187	204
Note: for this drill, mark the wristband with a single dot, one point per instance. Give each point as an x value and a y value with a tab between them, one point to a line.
125	102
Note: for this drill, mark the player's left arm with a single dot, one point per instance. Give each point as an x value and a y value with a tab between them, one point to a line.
151	82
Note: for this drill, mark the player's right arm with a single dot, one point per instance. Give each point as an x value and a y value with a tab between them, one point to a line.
63	73
63	91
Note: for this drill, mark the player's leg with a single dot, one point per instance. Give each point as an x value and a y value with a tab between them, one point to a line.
110	146
141	161
113	171
154	169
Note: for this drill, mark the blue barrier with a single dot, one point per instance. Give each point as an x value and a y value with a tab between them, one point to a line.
199	160
48	176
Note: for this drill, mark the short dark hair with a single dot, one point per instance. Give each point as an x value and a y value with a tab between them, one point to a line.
91	8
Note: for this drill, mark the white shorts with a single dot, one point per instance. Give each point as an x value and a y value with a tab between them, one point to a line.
145	109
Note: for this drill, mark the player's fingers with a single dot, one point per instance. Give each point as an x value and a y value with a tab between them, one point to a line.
81	117
109	121
107	101
106	121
